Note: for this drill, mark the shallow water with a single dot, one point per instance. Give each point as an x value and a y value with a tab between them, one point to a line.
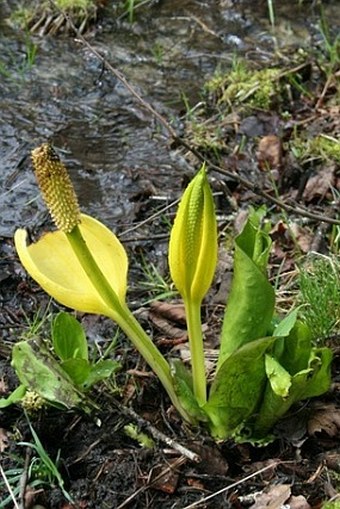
112	147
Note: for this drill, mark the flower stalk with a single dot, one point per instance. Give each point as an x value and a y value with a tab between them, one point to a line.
121	314
192	261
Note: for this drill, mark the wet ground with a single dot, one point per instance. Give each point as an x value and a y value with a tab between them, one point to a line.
114	150
125	168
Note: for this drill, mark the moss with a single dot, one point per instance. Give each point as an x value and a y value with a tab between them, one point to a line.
22	16
334	504
209	138
320	147
46	19
326	147
85	5
246	86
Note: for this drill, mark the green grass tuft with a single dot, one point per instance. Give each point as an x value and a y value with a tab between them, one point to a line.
320	295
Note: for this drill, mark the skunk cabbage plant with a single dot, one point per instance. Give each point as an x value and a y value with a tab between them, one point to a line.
264	365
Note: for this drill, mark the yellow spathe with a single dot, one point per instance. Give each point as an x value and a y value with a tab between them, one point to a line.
51	262
193	240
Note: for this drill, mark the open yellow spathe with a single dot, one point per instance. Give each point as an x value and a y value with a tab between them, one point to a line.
53	264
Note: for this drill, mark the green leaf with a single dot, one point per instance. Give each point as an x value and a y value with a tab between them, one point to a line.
251	301
101	370
320	363
39	371
285	326
131	430
77	369
309	382
183	387
14	397
237	388
279	378
68	337
297	348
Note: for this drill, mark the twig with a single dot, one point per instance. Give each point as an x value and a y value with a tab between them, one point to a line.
151	218
324	91
158	435
289	208
180	141
233	485
24	477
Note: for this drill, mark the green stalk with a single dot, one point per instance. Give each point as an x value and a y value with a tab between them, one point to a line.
193	316
123	316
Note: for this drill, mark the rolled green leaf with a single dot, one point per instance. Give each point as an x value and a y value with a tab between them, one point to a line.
297	348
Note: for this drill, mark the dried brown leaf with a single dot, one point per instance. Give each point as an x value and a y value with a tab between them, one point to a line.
325	419
170	311
298	502
164	477
166	316
319	184
302	237
269	153
274	498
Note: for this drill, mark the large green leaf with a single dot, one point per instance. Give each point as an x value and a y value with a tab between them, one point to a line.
68	336
39	371
238	387
251	301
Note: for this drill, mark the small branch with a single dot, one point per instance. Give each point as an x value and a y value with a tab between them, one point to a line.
151	218
158	435
233	485
324	91
24	478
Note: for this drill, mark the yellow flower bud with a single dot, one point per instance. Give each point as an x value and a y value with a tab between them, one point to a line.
193	241
56	188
